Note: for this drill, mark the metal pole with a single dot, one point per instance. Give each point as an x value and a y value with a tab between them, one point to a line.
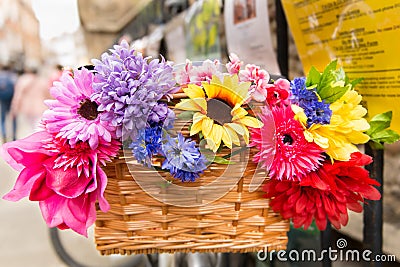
282	39
326	237
373	220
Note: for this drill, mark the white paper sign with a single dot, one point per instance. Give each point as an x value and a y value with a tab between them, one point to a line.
248	33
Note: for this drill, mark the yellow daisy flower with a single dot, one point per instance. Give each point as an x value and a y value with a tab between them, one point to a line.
345	129
218	112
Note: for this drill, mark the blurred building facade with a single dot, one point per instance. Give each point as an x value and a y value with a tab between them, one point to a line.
103	20
19	34
102	24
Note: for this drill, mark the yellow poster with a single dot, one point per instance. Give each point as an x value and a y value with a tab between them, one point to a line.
364	35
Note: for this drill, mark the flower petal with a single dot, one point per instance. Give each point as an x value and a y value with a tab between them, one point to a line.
240	129
196	127
216	136
66	183
194	91
207	126
24	183
251	122
232	134
238	112
198	104
226	138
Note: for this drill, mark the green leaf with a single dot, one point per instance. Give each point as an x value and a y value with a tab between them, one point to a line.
235	152
210	155
165	184
330	67
313	77
386	136
332	94
379	122
185	115
376	146
221	160
379	132
212	158
332	84
356	81
326	76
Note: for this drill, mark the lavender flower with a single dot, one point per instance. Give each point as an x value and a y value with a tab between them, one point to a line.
317	112
128	86
161	115
182	158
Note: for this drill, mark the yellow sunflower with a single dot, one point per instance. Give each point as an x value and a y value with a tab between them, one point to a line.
218	112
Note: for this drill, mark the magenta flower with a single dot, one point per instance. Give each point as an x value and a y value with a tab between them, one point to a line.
77	213
294	155
72	114
278	93
26	156
65	180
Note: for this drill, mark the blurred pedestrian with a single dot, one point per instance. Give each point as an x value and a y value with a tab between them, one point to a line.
31	89
55	74
7	82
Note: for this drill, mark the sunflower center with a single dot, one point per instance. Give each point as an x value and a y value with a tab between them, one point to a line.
219	111
88	110
287	139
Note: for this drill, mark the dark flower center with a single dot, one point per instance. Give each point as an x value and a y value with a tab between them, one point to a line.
177	151
88	110
287	139
219	111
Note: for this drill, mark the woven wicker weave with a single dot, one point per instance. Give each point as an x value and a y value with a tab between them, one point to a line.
149	215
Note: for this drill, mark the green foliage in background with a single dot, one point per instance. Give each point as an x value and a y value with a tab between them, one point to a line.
202	28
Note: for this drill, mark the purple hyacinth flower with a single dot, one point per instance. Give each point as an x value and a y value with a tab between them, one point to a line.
128	87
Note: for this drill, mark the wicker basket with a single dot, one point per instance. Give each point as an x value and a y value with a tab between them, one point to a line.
217	213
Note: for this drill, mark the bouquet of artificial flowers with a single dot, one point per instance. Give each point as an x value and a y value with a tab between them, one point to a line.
304	133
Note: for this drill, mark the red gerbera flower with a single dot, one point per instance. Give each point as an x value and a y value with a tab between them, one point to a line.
325	194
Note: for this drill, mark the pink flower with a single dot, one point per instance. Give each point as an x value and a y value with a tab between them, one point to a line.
182	76
72	115
77	213
27	156
234	65
65	180
199	73
81	156
278	92
259	79
294	155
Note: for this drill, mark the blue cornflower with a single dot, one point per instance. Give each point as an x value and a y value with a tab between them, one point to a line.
182	158
184	176
317	112
147	144
300	95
